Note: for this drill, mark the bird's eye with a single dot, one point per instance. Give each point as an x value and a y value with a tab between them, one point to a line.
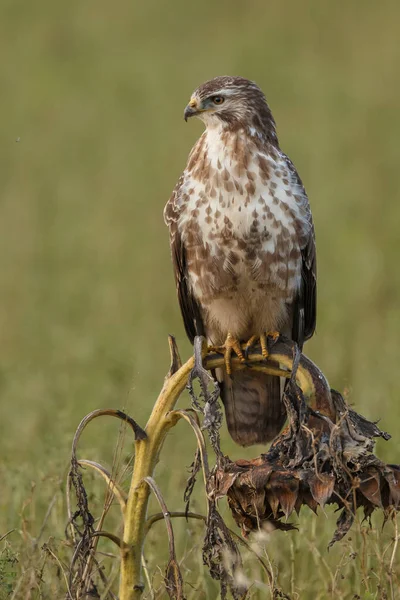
218	99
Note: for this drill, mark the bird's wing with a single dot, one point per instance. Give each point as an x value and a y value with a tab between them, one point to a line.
190	308
305	305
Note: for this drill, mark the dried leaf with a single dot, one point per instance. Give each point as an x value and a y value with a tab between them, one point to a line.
173	580
224	482
309	501
392	476
343	524
272	496
261	475
193	470
221	555
288	493
370	487
321	487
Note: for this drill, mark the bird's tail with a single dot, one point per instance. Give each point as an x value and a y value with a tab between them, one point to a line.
255	413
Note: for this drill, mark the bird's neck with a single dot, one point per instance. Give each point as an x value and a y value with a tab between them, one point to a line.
222	139
257	132
221	147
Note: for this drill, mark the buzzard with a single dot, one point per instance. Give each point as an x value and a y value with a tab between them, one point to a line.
243	249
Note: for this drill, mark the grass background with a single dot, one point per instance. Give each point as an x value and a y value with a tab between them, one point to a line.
92	141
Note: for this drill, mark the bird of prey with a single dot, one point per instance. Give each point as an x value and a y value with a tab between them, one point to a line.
243	249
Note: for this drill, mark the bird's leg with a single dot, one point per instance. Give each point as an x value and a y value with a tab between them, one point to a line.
231	344
262	337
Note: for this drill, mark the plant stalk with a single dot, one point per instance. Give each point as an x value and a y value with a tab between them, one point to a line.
146	458
147	451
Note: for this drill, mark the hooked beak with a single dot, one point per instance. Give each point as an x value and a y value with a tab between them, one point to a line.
191	110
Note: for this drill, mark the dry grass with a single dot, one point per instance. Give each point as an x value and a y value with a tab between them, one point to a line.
94	93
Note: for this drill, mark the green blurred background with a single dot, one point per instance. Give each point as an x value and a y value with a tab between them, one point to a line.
92	141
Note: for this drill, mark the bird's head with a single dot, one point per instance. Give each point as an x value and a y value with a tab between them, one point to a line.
232	101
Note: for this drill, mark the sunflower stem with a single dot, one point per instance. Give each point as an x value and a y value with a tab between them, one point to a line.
147	450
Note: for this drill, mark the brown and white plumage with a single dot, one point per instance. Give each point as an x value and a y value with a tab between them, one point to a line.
242	242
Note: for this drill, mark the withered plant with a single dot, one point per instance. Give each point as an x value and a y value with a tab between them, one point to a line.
323	456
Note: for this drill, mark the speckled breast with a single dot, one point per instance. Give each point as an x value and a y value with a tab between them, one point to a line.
244	220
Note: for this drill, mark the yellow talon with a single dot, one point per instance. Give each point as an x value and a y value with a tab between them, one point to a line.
263	337
263	344
250	343
274	335
231	344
